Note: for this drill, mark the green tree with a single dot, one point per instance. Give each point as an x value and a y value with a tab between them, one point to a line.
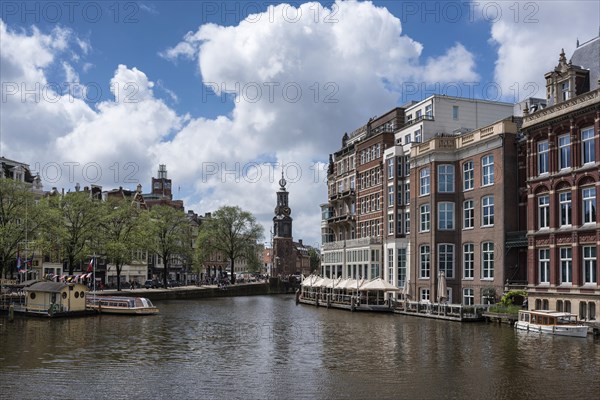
254	259
168	234
81	216
22	220
231	232
121	233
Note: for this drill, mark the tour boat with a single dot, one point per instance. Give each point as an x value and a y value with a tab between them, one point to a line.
122	305
551	322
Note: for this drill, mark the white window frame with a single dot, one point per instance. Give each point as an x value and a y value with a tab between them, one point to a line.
424	261
424	181
468	214
487	211
446	259
544	266
543	211
543	157
468	261
564	151
589	265
566	265
468	175
588	146
487	170
487	261
425	218
446	216
588	200
445	178
565	207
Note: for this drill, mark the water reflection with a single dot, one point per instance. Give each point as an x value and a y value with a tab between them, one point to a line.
267	347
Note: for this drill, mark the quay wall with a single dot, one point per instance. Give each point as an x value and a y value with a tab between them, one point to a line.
200	292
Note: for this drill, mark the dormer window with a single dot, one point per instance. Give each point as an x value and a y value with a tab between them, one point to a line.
565	89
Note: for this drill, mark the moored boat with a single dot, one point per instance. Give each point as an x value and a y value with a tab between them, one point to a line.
122	305
551	322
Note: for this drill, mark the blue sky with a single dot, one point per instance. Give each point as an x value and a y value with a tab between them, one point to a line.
330	66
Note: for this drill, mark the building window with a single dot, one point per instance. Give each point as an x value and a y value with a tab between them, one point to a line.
390	224
468	176
589	205
391	196
588	145
425	261
400	193
544	265
566	265
399	223
407	193
390	167
429	111
564	151
589	264
468	214
425	214
418	136
487	211
565	91
455	112
468	297
407	222
391	266
542	158
544	212
487	260
424	294
401	267
446	259
407	139
445	216
424	182
487	170
565	208
446	178
468	260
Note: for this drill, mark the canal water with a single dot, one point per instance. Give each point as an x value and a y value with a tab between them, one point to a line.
267	347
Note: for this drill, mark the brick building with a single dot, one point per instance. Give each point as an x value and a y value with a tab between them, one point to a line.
562	154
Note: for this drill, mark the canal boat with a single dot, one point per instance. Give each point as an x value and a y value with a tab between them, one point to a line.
551	322
122	305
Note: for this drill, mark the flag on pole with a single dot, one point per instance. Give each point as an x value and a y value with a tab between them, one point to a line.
90	267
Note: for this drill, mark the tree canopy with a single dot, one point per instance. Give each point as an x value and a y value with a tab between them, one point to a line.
168	234
231	232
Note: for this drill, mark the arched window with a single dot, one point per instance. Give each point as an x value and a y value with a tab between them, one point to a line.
567	306
591	311
538	304
559	305
545	305
582	310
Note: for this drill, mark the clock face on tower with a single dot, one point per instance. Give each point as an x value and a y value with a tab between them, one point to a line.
286	211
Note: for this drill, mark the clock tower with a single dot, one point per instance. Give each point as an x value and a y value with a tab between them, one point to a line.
283	261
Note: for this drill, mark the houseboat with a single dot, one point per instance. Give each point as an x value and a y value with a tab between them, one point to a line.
54	299
121	305
551	322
